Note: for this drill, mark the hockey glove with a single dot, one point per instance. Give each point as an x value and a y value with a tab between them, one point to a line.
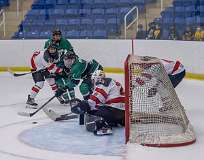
74	102
66	72
59	92
81	108
44	72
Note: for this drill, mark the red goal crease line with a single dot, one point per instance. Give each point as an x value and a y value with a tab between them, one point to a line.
113	70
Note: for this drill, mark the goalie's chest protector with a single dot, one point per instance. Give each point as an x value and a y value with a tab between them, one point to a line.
110	93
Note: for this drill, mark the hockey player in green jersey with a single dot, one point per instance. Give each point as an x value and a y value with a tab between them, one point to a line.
62	43
79	70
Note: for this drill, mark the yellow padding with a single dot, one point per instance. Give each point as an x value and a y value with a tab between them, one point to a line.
114	70
15	69
106	69
194	76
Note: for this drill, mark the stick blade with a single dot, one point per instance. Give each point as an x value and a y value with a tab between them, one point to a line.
17	75
51	114
57	116
25	114
67	117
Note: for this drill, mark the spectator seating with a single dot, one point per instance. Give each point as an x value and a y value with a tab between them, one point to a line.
181	14
4	3
77	18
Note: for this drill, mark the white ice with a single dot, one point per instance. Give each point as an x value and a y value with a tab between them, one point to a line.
20	139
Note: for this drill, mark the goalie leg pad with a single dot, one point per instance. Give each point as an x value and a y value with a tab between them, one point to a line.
102	128
90	122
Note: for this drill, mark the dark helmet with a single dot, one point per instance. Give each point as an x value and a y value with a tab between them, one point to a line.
70	55
69	58
57	32
52	51
52	45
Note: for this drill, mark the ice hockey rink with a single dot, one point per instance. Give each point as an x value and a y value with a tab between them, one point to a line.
21	139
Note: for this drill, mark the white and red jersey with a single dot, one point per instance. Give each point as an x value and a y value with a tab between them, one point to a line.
172	67
38	62
108	92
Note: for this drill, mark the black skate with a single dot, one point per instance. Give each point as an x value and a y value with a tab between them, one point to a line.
31	103
102	128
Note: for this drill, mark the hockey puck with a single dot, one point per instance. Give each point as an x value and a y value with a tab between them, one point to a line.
34	122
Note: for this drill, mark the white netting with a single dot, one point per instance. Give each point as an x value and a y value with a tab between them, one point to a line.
156	114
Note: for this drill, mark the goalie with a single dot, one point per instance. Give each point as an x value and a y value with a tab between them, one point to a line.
105	107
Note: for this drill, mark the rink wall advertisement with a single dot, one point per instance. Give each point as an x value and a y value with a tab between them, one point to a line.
110	53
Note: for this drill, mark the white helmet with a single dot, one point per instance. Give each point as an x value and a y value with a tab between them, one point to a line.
98	75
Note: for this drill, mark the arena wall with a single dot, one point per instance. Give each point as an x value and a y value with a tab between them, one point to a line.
110	53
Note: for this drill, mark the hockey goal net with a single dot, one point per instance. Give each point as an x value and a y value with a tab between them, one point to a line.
154	114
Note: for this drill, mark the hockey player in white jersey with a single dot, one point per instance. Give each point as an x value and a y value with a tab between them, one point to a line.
175	71
105	107
43	64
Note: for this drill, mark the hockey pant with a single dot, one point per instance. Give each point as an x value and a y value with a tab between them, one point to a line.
177	78
39	79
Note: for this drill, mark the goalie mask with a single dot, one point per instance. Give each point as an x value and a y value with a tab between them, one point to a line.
69	58
97	75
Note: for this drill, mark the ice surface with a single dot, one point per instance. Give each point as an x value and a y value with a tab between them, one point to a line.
20	139
69	137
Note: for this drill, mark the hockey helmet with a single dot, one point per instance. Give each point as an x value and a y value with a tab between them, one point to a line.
98	75
56	36
52	50
69	58
57	32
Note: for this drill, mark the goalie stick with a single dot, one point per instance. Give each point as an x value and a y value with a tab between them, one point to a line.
73	103
33	113
59	117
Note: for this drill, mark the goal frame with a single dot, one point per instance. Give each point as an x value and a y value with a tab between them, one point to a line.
128	110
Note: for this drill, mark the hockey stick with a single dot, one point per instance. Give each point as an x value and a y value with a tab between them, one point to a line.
18	74
81	116
21	74
33	113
